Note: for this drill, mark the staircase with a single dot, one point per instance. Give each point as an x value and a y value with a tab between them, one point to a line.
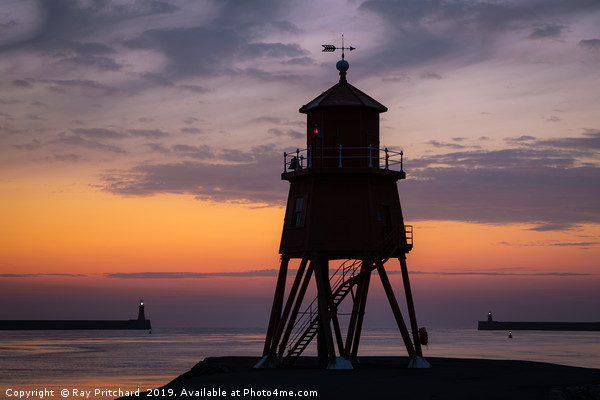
342	281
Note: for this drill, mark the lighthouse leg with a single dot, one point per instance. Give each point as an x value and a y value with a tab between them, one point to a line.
411	306
356	319
396	310
288	307
277	304
325	345
296	310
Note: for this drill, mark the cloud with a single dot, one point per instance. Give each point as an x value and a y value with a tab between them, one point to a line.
158	148
251	177
493	273
78	141
41	275
193	275
583	245
590	44
87	87
438	144
99	133
270	50
301	61
22	83
418	33
196	51
537	181
546	31
552	227
148	133
430	75
288	132
198	152
540	182
194	131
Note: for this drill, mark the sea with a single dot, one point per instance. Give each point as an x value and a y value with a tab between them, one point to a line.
106	364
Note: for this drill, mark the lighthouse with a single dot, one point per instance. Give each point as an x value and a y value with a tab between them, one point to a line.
343	221
141	315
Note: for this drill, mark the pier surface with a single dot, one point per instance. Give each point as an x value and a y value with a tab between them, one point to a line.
386	378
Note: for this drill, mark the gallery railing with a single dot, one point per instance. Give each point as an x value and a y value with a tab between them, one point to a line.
341	157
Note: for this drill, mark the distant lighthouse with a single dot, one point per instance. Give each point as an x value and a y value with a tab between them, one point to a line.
141	315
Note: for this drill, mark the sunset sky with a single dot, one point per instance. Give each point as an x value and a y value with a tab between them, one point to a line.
142	145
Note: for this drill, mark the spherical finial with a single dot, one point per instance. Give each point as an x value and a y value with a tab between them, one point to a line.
342	65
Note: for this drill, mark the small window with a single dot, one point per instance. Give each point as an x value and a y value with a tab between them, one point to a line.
297	221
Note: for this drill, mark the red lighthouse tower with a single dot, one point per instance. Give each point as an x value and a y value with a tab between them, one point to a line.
343	221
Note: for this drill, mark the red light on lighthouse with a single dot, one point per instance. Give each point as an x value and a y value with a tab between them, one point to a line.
316	132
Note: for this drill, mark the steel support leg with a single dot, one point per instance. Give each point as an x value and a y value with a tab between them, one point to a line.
322	279
411	307
396	310
288	307
296	310
277	304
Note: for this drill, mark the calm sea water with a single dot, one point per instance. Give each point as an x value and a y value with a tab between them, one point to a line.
109	360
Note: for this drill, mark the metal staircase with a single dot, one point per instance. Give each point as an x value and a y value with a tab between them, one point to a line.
342	281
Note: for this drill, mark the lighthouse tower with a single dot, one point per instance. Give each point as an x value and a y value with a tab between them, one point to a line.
343	221
141	314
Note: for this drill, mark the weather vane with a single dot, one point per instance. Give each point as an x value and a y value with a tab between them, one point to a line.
331	48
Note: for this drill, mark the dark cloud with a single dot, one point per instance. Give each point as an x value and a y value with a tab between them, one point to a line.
267	119
270	50
158	148
552	31
247	177
493	273
86	86
269	76
548	227
148	133
86	49
197	51
70	157
294	134
430	75
41	275
78	141
539	182
286	26
194	131
419	32
103	63
302	61
590	141
591	44
438	144
197	152
552	227
542	182
187	275
67	19
194	88
99	133
22	83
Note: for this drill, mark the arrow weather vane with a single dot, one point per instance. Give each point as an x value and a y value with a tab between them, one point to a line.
330	48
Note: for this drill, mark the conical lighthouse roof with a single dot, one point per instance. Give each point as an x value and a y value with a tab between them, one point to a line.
343	94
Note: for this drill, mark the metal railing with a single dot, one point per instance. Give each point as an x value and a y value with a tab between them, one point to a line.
380	158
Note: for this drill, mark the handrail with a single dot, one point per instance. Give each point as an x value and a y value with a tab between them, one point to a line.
308	315
384	157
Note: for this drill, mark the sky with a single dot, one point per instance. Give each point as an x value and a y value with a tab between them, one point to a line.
141	150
